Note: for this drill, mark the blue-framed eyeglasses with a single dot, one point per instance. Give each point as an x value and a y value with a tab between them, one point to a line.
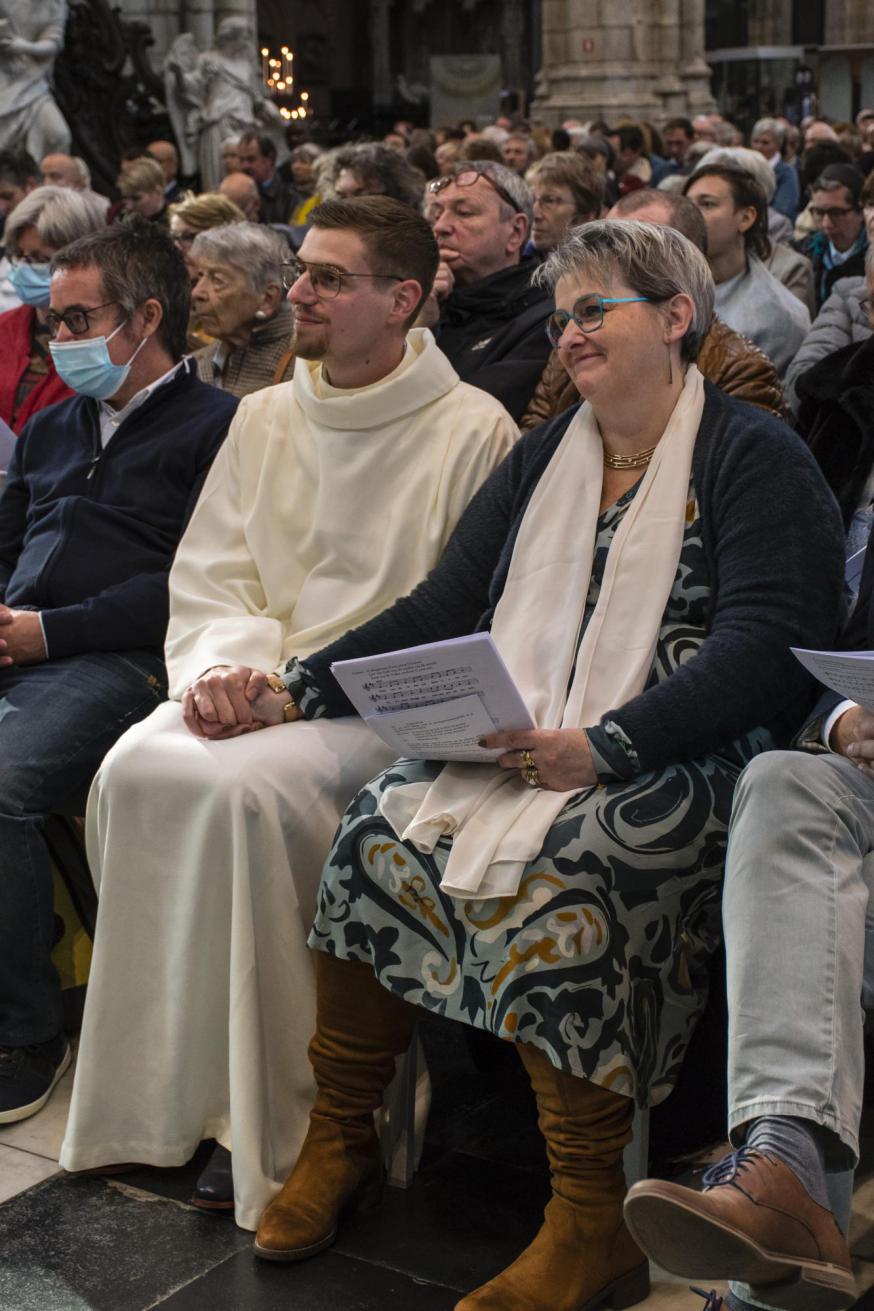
587	313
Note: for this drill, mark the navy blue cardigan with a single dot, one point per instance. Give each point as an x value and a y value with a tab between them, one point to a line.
87	535
774	544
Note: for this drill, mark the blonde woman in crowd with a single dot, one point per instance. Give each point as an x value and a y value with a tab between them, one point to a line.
194	214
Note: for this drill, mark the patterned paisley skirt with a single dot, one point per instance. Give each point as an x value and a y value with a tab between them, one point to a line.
600	960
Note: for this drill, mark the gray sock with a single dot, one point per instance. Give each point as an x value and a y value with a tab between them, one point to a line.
735	1303
798	1144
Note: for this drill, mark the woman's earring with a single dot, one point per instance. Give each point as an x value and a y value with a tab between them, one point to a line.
261	314
670	366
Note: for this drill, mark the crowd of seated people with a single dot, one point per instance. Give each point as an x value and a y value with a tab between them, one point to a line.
263	429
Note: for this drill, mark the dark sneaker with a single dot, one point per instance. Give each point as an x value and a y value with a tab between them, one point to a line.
28	1075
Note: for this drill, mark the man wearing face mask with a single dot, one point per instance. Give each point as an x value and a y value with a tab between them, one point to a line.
45	221
98	493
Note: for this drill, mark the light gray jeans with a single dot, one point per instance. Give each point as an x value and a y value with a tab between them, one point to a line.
795	906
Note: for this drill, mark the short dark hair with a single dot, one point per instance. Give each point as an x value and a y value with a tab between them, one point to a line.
630	136
746	192
137	262
19	167
266	145
679	125
818	157
685	215
380	166
835	176
397	238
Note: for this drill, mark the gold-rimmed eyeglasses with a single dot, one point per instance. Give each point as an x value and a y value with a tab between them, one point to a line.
326	279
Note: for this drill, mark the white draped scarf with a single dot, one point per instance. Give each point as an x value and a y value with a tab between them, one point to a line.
497	822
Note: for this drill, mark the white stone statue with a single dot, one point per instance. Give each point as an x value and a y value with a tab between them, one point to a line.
183	86
232	97
31	37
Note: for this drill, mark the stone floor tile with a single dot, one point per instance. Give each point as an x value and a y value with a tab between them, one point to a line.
101	1245
464	1220
667	1295
326	1283
21	1170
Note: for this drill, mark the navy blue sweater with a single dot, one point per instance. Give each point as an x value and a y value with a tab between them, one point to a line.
774	544
87	535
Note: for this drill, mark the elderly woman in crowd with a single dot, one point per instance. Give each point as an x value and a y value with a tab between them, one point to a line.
195	214
48	219
239	300
644	563
566	190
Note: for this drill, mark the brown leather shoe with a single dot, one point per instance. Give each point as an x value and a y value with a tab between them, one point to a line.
754	1222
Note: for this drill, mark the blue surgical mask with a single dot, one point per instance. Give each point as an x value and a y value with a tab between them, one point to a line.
32	284
86	367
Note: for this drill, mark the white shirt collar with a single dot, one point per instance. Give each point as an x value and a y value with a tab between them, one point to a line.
111	419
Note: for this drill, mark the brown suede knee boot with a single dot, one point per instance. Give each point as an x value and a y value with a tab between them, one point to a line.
360	1028
583	1258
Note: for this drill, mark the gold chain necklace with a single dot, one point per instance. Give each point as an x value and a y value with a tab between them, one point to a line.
636	461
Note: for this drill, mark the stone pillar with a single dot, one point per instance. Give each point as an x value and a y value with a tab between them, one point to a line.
614	59
198	18
237	9
512	37
848	22
380	43
694	70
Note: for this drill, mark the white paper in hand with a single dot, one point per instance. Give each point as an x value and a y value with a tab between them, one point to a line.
849	672
434	702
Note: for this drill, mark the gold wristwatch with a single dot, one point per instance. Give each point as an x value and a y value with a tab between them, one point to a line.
290	711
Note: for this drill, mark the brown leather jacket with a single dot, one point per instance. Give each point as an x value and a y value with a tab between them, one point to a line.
726	358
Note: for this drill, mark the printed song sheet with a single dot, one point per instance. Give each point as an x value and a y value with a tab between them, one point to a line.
434	702
849	672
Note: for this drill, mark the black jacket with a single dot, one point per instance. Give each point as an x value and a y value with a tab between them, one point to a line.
836	419
815	247
88	534
493	334
277	200
775	557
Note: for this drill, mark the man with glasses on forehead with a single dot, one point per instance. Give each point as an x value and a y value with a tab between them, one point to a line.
837	249
486	316
333	495
97	495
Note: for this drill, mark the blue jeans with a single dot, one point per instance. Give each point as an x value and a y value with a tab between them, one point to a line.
57	721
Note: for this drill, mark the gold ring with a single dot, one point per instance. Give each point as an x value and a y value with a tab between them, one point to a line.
531	775
528	760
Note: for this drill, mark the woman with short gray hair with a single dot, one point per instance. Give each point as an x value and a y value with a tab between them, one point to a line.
658	262
239	300
643	563
44	222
